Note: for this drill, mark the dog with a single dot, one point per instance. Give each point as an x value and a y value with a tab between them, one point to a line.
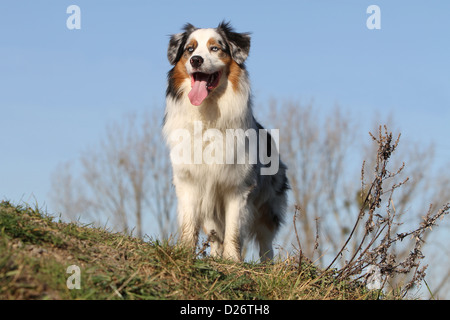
208	96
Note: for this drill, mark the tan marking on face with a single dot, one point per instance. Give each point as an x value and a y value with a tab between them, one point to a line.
180	73
233	71
192	44
214	43
234	74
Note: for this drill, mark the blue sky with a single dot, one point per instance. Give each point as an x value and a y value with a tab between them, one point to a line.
59	88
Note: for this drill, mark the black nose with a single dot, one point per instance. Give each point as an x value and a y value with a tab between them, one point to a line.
196	61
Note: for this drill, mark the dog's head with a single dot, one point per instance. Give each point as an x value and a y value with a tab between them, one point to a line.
206	58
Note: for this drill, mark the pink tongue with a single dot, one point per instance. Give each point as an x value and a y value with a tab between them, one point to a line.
199	91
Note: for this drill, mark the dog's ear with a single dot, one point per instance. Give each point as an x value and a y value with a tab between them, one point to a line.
239	43
177	43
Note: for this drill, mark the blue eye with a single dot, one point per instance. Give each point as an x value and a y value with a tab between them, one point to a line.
215	49
190	49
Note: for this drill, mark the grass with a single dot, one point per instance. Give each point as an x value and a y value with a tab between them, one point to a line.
36	250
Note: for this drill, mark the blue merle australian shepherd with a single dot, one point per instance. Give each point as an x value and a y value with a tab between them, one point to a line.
240	194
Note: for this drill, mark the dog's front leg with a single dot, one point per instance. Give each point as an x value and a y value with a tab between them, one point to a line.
188	217
235	217
188	230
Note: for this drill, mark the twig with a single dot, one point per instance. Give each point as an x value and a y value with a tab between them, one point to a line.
297	209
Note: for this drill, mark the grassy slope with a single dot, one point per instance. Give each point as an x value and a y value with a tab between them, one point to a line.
35	252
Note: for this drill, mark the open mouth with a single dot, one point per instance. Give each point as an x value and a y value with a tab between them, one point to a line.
202	84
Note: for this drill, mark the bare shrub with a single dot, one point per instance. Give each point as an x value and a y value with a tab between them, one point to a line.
376	248
324	152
